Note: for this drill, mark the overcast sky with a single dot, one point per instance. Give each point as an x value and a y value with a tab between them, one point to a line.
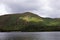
44	8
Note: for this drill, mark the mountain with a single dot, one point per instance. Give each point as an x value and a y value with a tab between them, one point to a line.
28	22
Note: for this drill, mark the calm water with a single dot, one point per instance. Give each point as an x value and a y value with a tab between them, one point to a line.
30	36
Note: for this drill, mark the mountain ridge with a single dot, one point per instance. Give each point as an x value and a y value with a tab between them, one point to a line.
29	22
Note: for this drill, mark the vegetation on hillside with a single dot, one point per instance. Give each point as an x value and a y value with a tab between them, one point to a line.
28	22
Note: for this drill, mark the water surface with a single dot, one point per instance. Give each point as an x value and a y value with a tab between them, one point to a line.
29	35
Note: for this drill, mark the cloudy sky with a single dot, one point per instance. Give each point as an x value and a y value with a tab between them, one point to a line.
44	8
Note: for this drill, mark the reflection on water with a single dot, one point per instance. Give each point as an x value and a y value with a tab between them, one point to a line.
30	36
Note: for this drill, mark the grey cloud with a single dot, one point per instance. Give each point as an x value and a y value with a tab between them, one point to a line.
21	7
52	10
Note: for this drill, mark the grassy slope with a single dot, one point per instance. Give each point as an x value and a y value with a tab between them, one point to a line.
28	22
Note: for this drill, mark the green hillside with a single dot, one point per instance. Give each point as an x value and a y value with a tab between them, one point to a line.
28	22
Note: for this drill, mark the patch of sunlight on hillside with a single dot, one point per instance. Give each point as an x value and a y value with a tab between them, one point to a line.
53	23
33	19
